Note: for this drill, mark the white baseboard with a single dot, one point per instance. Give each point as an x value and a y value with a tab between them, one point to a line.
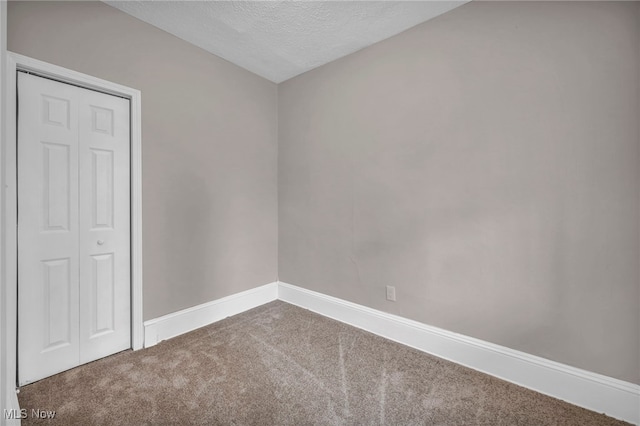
593	391
186	320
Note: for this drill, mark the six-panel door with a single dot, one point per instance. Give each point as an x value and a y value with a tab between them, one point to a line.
73	226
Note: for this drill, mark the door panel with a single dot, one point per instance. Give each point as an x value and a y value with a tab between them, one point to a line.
48	289
56	184
73	226
102	189
56	291
102	292
105	229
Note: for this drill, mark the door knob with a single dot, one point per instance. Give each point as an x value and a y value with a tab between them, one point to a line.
100	242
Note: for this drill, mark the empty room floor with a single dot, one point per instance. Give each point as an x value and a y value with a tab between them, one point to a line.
280	364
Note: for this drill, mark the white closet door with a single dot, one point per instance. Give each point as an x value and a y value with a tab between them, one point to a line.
48	286
73	226
105	314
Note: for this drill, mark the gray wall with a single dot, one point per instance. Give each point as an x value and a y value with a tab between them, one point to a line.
209	147
486	163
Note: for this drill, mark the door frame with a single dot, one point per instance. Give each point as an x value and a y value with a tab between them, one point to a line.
16	62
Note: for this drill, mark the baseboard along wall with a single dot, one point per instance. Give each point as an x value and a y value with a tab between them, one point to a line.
177	323
596	392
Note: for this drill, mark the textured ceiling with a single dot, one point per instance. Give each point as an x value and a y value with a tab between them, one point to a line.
281	39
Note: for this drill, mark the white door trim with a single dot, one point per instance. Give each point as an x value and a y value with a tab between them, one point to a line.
8	397
9	279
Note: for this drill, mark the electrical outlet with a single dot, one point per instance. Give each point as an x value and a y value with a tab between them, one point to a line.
391	293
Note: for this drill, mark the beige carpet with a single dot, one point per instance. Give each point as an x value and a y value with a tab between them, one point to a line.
282	365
